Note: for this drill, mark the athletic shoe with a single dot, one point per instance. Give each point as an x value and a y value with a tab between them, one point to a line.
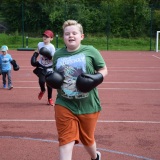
50	102
4	86
98	156
40	95
10	87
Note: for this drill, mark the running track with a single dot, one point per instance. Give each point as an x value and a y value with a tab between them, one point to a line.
128	127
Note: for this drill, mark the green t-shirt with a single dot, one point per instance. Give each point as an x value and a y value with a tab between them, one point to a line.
86	59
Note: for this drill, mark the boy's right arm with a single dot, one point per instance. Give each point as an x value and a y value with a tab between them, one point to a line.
34	61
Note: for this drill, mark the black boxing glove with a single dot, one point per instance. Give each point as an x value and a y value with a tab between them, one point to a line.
34	61
86	82
15	65
54	80
45	52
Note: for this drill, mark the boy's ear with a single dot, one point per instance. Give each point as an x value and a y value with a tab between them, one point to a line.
51	39
82	36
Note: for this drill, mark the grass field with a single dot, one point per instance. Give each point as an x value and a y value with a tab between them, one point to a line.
101	43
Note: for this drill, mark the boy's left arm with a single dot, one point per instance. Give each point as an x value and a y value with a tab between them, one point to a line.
15	65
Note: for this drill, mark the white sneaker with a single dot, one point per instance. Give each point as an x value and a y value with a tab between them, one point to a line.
10	87
98	155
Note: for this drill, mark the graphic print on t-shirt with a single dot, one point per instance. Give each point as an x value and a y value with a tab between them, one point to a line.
5	60
72	67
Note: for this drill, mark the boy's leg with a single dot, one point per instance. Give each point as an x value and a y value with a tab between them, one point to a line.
49	92
42	86
42	82
65	151
68	132
9	80
87	127
92	151
4	78
50	101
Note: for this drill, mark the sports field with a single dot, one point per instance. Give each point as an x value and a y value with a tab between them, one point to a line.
129	124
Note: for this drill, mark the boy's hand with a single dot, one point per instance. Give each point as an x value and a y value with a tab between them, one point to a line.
86	82
15	65
34	61
54	80
45	52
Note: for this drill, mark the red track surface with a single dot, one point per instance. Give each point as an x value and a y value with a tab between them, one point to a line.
128	127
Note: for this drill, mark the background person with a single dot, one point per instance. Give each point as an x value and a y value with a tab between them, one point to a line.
5	67
45	52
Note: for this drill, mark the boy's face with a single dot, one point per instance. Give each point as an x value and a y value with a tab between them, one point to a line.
4	52
46	39
72	37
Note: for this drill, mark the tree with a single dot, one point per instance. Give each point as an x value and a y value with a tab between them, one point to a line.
123	18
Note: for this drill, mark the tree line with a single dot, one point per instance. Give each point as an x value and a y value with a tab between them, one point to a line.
117	18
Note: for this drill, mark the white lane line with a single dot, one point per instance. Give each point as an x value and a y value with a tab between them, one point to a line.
26	81
156	56
120	70
26	87
26	120
103	82
135	67
78	145
134	82
112	66
149	122
132	89
100	121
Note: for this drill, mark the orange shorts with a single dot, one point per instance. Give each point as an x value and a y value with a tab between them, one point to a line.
73	127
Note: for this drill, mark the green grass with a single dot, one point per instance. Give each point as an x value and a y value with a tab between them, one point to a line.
101	43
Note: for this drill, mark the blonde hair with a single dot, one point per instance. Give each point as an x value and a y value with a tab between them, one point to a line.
71	23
